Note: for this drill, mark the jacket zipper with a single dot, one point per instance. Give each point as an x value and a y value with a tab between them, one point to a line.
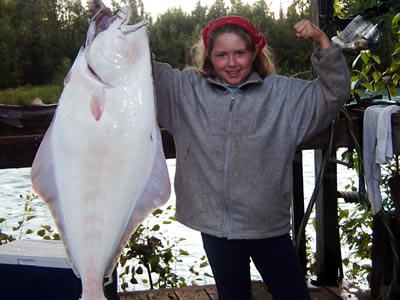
226	166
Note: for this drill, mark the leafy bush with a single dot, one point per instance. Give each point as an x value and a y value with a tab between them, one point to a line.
356	223
24	95
150	251
149	258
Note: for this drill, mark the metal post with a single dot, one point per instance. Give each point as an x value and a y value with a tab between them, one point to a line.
328	241
298	205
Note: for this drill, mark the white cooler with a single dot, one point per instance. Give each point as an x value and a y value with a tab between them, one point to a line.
39	269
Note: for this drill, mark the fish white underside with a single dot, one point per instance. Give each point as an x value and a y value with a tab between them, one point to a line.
101	178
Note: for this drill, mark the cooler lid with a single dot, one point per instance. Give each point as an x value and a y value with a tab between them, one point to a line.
39	253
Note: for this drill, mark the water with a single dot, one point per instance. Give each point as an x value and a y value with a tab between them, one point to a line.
15	184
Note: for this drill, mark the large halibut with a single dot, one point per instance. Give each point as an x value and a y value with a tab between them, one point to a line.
100	167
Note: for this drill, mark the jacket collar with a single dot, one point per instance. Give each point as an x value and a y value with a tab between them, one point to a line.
253	78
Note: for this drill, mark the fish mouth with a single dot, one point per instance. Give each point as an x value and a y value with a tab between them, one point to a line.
120	21
125	14
127	28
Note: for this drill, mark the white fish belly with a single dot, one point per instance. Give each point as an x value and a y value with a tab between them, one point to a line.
100	178
108	163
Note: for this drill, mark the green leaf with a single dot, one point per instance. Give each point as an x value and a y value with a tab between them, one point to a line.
2	220
367	85
133	280
396	51
366	68
364	75
183	252
396	20
126	270
124	286
394	65
376	59
377	76
139	270
156	227
393	90
30	217
204	264
356	267
47	228
154	260
380	85
364	57
41	232
345	261
157	212
29	231
396	79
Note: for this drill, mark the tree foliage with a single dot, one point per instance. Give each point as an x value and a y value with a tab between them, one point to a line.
37	35
40	38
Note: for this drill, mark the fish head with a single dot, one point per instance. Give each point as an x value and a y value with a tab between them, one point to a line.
118	49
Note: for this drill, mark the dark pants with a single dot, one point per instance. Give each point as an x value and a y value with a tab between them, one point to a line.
274	258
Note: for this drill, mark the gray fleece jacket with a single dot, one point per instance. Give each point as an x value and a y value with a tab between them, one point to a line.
234	150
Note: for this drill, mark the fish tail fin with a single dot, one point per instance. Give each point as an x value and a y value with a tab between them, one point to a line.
92	298
92	290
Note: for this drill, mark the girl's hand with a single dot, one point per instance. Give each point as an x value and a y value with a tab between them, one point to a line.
308	31
93	11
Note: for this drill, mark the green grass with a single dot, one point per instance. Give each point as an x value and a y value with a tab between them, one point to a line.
25	94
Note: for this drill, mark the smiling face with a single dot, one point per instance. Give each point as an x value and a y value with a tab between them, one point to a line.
231	58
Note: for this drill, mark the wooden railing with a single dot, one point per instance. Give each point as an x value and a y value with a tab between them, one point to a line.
22	129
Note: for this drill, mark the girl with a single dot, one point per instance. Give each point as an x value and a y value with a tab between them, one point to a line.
236	128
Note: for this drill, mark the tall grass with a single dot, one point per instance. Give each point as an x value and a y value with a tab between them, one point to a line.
25	94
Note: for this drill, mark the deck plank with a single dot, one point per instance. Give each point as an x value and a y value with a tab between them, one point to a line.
168	295
193	294
259	291
211	291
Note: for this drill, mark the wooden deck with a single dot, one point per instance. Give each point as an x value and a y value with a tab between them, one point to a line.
260	292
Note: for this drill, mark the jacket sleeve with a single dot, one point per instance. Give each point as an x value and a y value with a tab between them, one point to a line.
314	104
167	89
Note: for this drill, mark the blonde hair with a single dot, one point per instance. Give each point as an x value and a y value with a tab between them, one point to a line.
262	64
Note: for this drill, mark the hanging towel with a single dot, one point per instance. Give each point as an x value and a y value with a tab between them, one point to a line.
377	148
384	145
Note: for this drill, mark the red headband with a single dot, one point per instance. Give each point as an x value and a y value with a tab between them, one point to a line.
258	38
